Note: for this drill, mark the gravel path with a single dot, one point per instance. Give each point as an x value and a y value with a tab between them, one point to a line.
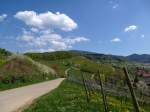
12	100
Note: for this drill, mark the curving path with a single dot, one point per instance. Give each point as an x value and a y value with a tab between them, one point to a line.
14	99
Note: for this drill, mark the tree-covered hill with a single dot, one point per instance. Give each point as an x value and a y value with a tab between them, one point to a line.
51	55
3	55
108	58
4	52
144	58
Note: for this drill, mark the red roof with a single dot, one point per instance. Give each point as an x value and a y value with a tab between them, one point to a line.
146	75
143	73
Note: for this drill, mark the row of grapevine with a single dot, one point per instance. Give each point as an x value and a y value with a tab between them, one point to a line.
98	85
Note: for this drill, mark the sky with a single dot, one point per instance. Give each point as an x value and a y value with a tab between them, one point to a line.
119	27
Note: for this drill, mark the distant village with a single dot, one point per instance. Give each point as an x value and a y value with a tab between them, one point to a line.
145	74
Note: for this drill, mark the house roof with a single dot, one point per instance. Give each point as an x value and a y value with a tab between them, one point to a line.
146	75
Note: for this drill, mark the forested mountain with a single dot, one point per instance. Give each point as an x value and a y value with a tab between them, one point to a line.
144	58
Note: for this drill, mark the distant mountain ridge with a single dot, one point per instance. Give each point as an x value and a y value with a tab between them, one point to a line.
101	57
143	58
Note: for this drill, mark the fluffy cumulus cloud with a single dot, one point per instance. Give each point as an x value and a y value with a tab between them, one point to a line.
116	40
130	28
49	41
42	35
47	20
3	17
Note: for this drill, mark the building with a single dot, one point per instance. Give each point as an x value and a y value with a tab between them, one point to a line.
145	74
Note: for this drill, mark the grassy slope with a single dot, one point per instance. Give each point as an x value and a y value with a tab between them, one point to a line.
62	60
2	61
3	55
70	97
58	65
4	86
57	60
67	88
20	70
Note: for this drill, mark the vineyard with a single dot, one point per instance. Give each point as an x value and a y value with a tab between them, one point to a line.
106	81
125	93
91	85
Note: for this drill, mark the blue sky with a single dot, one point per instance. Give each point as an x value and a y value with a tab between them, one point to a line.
105	26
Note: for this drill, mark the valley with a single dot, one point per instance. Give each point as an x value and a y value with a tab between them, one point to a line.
81	90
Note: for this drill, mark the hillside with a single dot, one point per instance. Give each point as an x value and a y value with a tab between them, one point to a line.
62	60
109	65
102	58
114	59
75	66
74	100
3	55
81	65
51	55
19	69
98	57
4	52
144	58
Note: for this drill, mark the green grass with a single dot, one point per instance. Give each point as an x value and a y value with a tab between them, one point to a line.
26	80
20	70
82	63
70	97
2	61
58	65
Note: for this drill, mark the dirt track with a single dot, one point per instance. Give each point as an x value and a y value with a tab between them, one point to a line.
12	100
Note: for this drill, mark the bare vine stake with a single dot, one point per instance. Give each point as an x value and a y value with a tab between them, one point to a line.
103	93
89	89
135	103
86	91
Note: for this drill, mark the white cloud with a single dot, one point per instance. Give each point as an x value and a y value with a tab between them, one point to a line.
42	35
34	30
40	50
116	40
52	41
2	17
75	40
114	3
130	28
115	6
47	20
142	36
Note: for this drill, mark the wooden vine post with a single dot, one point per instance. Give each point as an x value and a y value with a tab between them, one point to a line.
86	90
103	93
135	103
